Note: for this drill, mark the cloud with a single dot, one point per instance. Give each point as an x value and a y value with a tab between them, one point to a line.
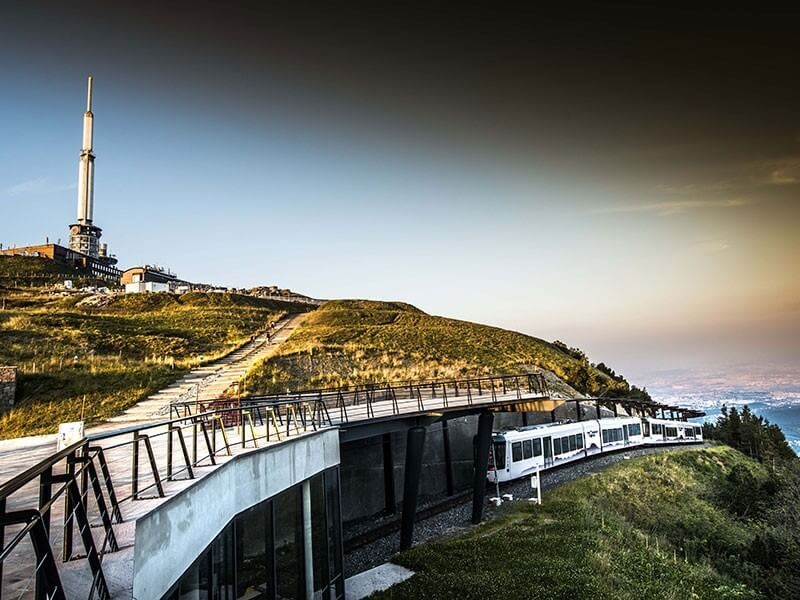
785	175
711	246
663	209
40	185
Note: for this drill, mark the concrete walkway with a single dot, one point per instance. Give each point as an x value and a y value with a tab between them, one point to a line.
377	579
210	381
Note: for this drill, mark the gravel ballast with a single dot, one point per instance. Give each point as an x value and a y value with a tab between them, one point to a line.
457	519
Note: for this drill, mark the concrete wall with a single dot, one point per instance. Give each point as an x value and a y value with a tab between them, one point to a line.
8	387
170	538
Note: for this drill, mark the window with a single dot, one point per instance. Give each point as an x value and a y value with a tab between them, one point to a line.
516	451
671	431
527	449
499	456
579	439
254	552
537	447
289	543
698	431
573	443
605	436
557	446
319	535
635	429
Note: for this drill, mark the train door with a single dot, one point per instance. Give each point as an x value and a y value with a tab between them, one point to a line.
547	444
646	428
625	434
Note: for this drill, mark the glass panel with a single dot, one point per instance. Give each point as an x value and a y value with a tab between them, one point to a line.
222	565
537	447
548	448
573	443
499	455
254	552
579	439
516	451
527	449
319	534
557	446
289	562
334	531
194	584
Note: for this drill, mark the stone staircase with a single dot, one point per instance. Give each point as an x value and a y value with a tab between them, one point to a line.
210	381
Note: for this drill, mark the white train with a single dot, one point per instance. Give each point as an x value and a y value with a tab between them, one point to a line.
516	453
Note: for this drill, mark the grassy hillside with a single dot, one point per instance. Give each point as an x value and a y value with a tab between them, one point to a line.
358	341
704	523
100	354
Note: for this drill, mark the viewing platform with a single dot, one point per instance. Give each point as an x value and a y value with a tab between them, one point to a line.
129	513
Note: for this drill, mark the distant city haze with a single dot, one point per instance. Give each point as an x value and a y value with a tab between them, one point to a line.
627	182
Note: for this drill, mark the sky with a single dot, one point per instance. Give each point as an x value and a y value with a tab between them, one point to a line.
625	179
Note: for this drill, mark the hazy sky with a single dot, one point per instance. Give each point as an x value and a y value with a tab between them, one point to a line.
625	180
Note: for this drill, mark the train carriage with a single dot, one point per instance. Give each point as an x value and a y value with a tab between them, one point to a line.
519	452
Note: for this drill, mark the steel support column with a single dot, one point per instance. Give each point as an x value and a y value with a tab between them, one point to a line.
414	445
448	458
389	496
483	442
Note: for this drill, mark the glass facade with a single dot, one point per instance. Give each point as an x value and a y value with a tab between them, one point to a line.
261	554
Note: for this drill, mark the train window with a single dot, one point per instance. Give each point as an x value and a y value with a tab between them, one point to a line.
556	445
573	443
605	436
499	455
527	449
565	444
516	451
689	432
579	439
698	431
634	429
537	447
671	431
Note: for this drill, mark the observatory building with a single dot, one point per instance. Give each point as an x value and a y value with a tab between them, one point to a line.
85	252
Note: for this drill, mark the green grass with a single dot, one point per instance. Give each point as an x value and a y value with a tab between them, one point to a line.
77	359
22	271
657	527
358	341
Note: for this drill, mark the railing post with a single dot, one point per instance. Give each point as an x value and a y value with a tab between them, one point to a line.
135	467
153	465
169	452
194	441
2	538
45	493
66	551
112	496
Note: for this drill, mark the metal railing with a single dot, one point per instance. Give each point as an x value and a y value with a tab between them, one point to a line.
338	400
53	506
